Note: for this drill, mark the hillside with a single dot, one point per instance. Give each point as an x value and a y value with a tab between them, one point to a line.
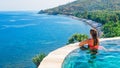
106	12
84	5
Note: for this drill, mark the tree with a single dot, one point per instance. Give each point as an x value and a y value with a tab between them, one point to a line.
77	38
37	59
111	29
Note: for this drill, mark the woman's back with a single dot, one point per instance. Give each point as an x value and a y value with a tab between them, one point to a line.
91	44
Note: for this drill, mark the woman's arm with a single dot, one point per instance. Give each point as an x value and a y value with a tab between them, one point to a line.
83	43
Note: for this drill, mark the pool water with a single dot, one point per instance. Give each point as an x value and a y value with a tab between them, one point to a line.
104	59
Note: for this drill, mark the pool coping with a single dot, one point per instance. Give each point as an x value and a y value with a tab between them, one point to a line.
55	58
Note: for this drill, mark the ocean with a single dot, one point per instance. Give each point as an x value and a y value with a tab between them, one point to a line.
24	34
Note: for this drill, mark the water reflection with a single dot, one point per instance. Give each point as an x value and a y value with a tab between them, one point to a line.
92	55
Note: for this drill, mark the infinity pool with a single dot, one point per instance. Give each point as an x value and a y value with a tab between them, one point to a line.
104	59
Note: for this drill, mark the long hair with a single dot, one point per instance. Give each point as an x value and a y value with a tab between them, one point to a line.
93	33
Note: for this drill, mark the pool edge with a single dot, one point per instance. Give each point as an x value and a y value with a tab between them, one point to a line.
55	58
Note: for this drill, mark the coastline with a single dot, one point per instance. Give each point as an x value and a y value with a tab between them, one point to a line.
91	23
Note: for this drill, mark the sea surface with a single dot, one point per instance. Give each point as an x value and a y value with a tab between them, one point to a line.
26	34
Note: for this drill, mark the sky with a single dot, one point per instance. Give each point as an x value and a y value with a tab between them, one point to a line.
13	5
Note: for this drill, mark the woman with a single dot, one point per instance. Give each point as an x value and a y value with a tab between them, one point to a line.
93	45
93	42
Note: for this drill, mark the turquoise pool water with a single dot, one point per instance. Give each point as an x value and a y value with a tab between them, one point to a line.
104	59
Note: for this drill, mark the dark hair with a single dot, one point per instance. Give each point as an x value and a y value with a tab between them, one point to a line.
93	33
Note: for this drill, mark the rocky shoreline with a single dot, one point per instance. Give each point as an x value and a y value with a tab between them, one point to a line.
93	24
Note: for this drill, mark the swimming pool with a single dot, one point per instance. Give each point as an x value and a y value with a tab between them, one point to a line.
104	59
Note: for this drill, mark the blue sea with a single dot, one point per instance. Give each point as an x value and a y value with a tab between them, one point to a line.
26	34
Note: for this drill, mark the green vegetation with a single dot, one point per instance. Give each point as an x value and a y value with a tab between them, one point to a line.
77	38
106	12
111	29
100	16
84	5
109	19
37	59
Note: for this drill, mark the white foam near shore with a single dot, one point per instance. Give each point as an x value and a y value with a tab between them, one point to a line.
55	58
